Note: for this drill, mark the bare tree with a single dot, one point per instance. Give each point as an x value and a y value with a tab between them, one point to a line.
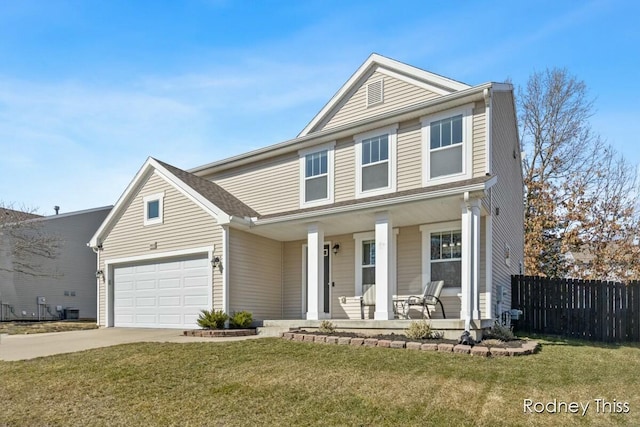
577	189
24	245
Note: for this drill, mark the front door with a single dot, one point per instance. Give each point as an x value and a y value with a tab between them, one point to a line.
327	287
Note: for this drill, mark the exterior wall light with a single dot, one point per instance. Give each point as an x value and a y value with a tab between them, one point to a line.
336	248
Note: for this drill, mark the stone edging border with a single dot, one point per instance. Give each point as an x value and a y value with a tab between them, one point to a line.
529	347
217	333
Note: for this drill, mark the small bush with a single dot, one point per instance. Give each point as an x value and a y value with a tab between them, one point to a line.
241	320
421	330
326	327
499	332
212	319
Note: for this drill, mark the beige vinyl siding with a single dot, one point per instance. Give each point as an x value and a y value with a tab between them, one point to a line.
292	280
185	226
255	275
345	170
409	158
409	261
397	94
267	186
508	227
342	274
479	140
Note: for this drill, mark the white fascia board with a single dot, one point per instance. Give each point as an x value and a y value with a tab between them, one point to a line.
452	100
220	216
379	203
143	172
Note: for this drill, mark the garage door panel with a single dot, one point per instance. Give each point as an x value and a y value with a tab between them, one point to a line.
173	301
173	283
162	295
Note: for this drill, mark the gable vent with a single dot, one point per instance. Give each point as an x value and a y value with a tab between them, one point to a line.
375	93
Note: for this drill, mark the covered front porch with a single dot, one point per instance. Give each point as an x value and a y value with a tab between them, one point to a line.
330	260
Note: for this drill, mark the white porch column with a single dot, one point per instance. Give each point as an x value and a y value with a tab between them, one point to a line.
315	271
384	267
470	262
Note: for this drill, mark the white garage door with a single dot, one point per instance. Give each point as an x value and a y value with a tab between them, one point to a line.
161	295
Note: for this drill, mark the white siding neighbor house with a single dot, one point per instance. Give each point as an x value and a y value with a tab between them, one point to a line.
64	286
403	178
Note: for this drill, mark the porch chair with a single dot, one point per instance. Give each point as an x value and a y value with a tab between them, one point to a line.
368	299
428	300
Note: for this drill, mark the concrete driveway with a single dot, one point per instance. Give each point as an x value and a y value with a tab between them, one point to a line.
23	347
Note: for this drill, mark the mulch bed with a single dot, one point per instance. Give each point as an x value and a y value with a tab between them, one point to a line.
217	333
520	348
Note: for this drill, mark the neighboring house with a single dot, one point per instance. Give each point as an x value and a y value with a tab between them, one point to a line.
403	177
67	282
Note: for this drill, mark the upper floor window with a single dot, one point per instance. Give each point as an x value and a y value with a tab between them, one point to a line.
447	146
153	208
375	153
316	175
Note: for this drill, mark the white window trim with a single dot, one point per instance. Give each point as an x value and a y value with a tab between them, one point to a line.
426	231
150	198
330	148
359	238
392	132
467	145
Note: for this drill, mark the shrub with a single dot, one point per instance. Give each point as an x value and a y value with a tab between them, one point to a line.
241	320
212	319
500	332
326	327
421	330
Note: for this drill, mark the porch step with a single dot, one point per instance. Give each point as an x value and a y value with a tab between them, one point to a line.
271	331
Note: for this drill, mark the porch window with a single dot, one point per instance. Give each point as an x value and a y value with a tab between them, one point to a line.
375	154
368	264
446	257
316	175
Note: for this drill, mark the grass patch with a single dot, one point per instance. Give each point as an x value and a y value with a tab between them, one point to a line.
276	382
19	328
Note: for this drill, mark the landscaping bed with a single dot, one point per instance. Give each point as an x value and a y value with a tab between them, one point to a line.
484	348
217	333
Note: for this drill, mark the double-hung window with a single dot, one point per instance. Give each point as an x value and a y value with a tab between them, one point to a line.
446	257
447	146
316	175
375	153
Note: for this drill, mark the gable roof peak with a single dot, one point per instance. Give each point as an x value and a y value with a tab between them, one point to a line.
435	82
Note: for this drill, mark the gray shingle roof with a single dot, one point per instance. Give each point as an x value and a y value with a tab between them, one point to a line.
11	216
211	191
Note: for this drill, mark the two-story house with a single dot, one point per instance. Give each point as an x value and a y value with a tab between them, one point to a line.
404	177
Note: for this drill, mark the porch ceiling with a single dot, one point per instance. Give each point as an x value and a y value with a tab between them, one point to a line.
404	214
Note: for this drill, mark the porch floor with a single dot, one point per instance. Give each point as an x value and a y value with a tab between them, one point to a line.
452	328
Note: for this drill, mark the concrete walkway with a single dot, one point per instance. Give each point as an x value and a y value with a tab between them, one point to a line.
24	347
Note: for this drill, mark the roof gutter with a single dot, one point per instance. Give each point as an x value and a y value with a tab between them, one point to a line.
475	93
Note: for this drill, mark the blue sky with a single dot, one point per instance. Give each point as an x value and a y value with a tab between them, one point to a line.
89	89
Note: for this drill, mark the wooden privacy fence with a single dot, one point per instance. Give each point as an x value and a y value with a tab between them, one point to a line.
586	309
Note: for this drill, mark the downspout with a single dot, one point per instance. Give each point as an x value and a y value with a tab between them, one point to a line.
97	252
282	280
488	268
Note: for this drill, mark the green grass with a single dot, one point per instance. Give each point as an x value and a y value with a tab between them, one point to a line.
19	328
276	382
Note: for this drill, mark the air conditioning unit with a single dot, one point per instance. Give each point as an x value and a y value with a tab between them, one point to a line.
71	314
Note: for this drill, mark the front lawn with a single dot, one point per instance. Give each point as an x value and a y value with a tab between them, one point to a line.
276	382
